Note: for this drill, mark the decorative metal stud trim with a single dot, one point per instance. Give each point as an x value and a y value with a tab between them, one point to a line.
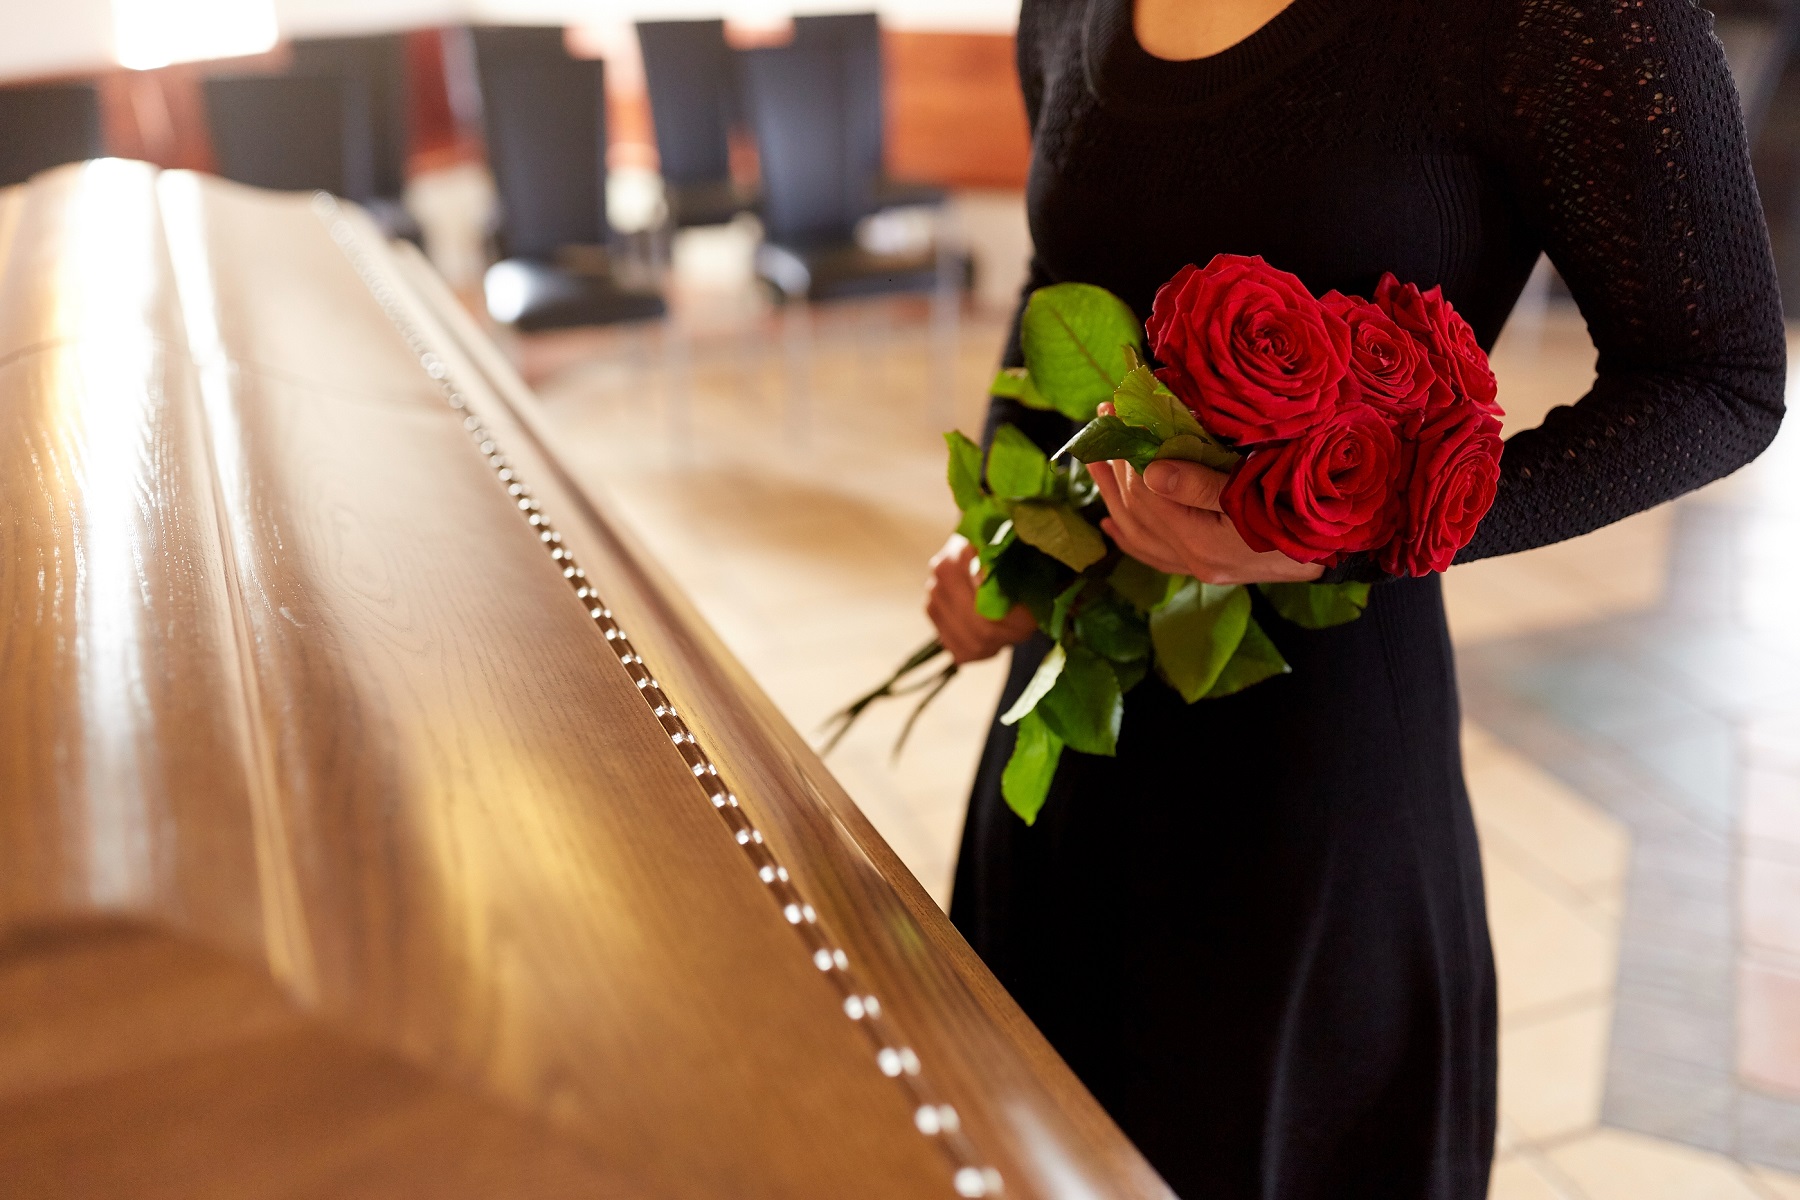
893	1057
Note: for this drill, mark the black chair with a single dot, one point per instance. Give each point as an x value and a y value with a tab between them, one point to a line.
376	131
814	190
691	76
44	127
857	36
283	131
544	115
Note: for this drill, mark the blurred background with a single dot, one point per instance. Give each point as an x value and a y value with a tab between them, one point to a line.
755	257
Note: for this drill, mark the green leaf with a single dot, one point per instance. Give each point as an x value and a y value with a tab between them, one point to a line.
1106	438
1145	586
982	523
1083	491
1016	468
1048	672
1060	532
1015	384
1075	336
1204	451
1255	660
964	471
1143	401
1025	783
1059	611
1317	605
1131	673
1195	634
991	600
1112	630
1085	706
1031	578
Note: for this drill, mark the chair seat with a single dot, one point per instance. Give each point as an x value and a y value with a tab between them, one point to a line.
894	193
842	269
710	203
531	296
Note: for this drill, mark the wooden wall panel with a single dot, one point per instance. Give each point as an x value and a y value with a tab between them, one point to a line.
955	115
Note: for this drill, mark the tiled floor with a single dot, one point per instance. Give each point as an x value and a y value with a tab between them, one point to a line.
1634	699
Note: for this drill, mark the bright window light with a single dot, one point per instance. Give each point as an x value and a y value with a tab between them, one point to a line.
155	33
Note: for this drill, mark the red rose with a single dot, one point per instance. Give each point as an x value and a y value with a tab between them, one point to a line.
1334	490
1389	365
1249	349
1450	343
1455	472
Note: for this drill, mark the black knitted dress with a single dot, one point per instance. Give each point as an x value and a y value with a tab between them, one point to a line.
1258	934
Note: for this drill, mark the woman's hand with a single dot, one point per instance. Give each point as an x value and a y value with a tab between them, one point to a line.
950	603
1169	518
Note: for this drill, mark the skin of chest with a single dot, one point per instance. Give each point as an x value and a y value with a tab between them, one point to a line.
1179	30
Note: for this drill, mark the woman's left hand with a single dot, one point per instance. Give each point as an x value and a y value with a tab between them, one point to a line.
1169	518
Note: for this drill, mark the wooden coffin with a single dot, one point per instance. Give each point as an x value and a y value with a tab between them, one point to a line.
375	821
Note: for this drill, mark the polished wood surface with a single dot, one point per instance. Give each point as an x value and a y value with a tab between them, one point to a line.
341	853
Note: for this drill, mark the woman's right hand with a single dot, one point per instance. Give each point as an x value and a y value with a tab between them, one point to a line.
950	603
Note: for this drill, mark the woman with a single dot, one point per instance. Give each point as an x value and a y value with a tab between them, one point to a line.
1257	934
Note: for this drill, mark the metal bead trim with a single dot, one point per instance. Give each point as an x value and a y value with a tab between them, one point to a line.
932	1117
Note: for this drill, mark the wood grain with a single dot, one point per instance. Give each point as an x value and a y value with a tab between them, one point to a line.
333	837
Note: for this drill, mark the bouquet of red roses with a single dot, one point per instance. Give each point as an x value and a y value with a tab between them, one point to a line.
1347	426
1366	426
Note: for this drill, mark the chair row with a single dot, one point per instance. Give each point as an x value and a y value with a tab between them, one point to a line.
336	120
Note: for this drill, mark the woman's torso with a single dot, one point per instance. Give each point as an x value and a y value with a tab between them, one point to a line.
1339	141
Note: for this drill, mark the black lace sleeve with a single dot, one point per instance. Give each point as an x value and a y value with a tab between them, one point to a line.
1619	129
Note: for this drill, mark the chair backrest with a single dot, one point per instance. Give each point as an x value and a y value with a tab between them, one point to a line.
857	37
377	66
284	131
44	127
544	115
692	80
796	100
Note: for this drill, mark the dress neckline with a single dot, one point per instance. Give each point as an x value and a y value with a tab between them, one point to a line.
1123	75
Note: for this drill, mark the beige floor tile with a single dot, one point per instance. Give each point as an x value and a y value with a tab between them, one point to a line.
1516	1179
1535	816
1547	948
1770	898
1610	1164
1768	1026
1503	597
1621	568
1779	1184
1553	1072
1771	805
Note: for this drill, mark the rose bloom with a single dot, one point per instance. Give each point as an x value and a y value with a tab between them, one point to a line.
1455	355
1455	473
1390	367
1333	491
1249	349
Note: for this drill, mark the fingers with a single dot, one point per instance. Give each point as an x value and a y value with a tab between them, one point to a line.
955	547
1151	555
950	604
1135	536
1185	483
